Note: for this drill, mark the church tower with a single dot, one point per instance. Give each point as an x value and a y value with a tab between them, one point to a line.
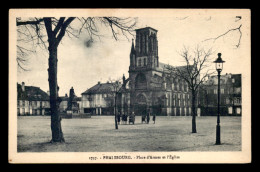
145	52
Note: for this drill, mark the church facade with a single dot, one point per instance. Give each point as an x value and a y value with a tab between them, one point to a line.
149	87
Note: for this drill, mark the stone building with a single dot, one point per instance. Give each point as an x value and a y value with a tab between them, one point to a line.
230	95
32	100
99	99
150	88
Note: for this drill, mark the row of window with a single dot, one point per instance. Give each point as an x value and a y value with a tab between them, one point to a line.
140	62
181	96
215	91
236	110
144	44
23	111
228	91
178	103
181	111
178	98
179	87
32	103
236	101
98	96
144	62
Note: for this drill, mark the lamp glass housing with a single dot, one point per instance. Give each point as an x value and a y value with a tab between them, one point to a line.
219	66
219	63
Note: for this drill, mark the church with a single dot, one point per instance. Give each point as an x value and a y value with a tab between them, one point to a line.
149	87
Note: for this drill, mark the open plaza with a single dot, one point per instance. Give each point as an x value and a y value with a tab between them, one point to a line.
98	134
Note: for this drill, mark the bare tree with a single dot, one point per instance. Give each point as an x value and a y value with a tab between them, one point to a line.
116	84
40	32
194	73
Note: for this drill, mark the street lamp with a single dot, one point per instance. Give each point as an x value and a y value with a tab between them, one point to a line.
219	66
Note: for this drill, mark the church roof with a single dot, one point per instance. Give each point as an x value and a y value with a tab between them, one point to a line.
163	66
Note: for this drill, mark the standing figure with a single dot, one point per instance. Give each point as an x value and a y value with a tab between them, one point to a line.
126	118
118	117
132	118
154	118
148	117
143	118
123	118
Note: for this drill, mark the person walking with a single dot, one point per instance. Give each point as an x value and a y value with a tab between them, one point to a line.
143	118
148	117
154	118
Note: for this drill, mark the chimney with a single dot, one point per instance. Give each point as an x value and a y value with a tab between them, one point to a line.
66	95
98	82
23	86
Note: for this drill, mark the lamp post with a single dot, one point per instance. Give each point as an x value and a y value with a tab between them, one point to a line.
233	95
219	66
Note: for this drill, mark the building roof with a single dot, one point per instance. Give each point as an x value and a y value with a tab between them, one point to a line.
162	66
100	88
224	79
31	93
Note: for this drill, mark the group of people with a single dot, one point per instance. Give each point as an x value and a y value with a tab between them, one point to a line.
145	118
123	117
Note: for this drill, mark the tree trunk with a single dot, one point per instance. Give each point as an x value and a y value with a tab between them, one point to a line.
194	130
116	115
57	135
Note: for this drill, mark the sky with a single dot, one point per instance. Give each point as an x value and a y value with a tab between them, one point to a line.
81	66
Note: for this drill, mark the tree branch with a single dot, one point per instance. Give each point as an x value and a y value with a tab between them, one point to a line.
19	23
230	30
63	28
